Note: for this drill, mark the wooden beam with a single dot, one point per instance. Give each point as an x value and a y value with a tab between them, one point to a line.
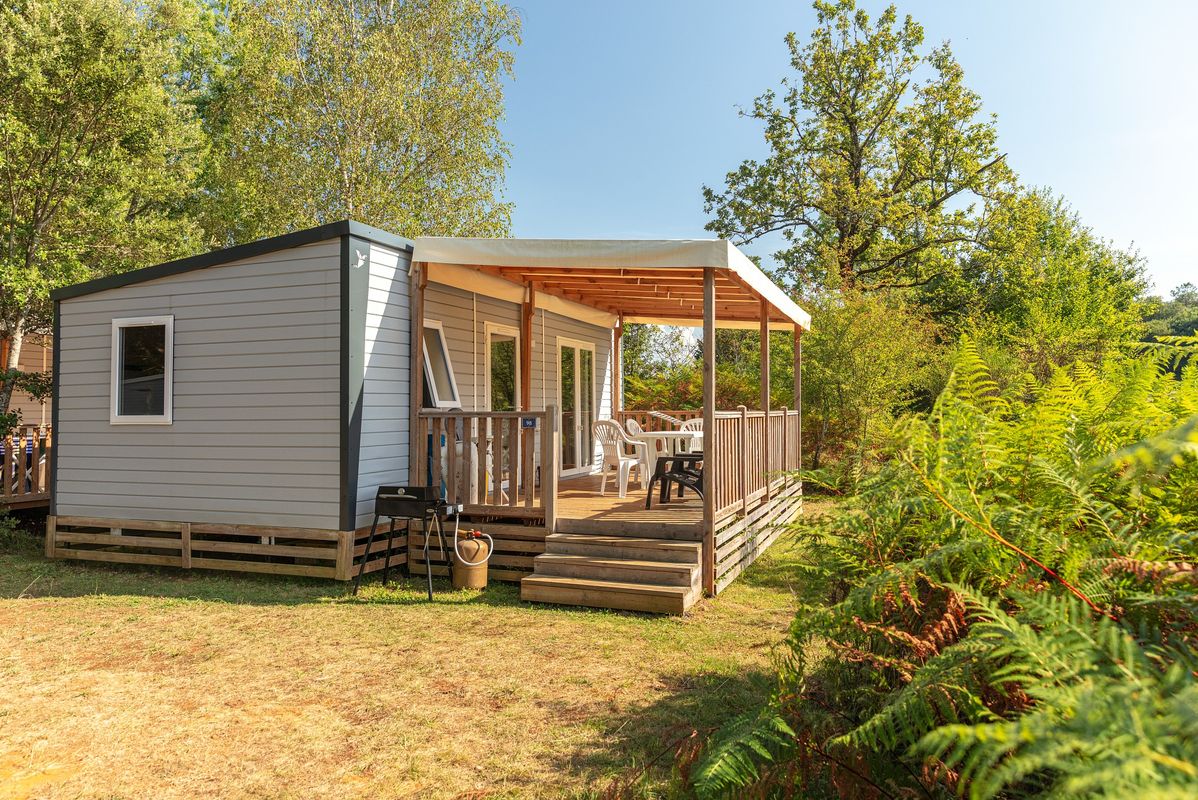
765	389
416	283
709	457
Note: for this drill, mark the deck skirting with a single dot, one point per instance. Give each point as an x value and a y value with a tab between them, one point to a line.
741	538
305	552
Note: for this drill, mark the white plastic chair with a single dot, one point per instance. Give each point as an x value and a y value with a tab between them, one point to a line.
695	424
635	429
613	439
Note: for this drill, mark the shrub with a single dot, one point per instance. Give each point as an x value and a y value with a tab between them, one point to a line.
1009	603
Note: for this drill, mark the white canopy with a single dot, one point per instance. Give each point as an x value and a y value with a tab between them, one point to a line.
563	264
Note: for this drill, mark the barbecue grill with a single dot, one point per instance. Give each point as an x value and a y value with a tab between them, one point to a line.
410	503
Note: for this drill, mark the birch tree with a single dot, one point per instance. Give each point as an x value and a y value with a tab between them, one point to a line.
99	145
386	111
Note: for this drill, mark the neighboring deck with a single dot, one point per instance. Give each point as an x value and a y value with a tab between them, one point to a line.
25	467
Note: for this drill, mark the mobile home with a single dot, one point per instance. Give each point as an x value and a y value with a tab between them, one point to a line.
239	409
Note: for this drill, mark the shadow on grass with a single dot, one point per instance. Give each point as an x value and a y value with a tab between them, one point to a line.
637	753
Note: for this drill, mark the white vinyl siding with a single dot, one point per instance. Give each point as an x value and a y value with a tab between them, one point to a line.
383	453
255	437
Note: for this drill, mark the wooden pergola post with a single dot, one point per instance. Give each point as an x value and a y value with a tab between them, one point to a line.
709	459
527	437
798	373
527	311
765	392
417	281
617	371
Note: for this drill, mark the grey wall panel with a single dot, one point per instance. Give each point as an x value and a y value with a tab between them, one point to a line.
256	407
383	441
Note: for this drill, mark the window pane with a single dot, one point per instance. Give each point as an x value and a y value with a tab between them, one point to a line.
439	362
503	372
569	410
143	371
586	407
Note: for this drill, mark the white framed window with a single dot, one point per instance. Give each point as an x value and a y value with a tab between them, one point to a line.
143	366
440	384
502	355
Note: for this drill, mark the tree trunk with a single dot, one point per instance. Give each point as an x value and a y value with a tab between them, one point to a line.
16	337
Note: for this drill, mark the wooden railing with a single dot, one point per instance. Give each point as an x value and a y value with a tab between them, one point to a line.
651	423
751	454
500	463
25	464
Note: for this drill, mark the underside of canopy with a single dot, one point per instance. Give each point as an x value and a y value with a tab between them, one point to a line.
650	281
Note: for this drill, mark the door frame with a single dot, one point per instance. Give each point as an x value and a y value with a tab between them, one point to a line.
504	330
585	465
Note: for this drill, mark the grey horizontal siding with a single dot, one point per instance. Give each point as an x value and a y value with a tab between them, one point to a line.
383	443
464	316
255	438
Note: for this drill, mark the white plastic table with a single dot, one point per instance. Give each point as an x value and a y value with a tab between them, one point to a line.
673	439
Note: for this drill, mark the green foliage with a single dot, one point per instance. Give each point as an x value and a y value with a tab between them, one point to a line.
873	171
1011	600
1177	316
384	112
1045	291
869	358
100	149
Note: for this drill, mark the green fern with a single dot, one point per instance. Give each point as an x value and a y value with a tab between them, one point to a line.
1066	512
734	756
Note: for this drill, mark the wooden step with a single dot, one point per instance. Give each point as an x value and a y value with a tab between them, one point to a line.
677	531
590	544
608	594
625	570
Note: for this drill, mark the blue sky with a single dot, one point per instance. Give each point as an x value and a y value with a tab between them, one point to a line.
621	111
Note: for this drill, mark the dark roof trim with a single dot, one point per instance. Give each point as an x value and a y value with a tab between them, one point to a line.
228	255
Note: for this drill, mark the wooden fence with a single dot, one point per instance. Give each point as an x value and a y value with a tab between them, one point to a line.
753	456
751	453
25	466
494	463
649	422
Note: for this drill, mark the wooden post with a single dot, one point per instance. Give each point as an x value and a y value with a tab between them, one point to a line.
798	368
519	433
765	391
709	433
185	545
416	447
550	446
744	459
526	314
51	527
344	566
617	369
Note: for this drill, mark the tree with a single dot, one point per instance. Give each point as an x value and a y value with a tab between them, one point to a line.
873	176
99	147
1177	316
867	360
384	111
1046	290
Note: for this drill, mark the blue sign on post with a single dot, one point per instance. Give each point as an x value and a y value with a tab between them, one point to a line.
528	422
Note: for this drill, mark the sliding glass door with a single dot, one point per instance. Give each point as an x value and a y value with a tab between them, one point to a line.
576	398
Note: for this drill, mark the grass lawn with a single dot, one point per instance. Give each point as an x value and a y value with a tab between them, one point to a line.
127	682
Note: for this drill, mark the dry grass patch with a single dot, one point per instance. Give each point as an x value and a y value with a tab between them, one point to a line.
120	682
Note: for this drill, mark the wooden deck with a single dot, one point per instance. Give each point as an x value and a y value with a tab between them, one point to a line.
581	509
